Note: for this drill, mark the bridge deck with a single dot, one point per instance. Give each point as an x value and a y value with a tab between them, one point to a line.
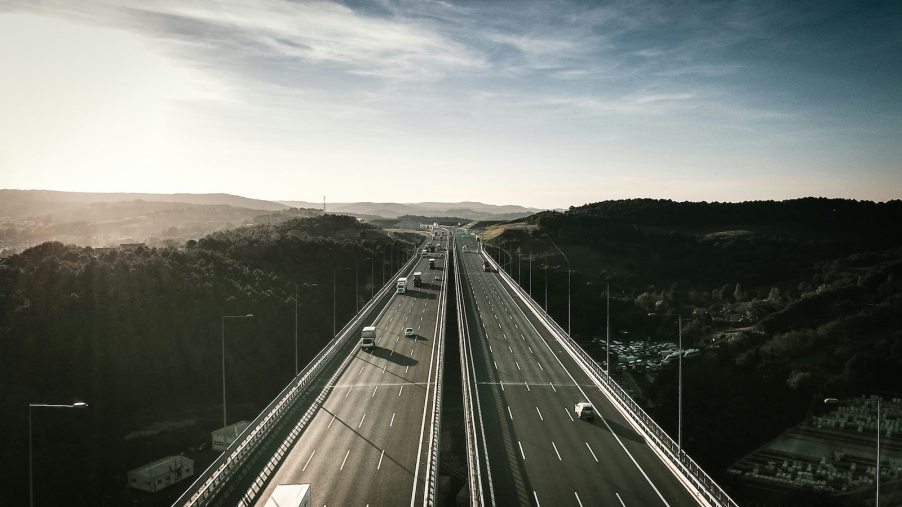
366	444
539	453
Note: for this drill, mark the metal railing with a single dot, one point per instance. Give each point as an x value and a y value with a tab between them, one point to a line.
477	497
230	462
702	484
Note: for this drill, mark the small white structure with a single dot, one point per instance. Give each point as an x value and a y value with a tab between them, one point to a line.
223	437
161	473
289	495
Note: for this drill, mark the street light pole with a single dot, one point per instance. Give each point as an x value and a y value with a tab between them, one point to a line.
224	317
607	346
569	271
835	401
357	281
78	404
296	304
545	269
680	388
334	320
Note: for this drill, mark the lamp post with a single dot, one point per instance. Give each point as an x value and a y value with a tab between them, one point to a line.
545	269
835	401
296	303
607	330
224	317
334	271
77	404
569	271
680	388
357	282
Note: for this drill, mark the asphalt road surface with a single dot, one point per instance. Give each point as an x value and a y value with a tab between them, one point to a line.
367	444
538	451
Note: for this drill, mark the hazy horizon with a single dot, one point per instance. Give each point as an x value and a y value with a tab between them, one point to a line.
536	104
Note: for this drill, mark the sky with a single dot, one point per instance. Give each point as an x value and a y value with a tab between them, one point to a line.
546	104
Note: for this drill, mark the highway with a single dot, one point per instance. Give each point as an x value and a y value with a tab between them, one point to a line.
367	444
537	451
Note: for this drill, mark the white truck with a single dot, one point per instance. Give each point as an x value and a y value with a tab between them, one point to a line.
368	338
402	285
289	495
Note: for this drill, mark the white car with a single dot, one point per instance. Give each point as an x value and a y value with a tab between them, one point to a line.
584	410
408	331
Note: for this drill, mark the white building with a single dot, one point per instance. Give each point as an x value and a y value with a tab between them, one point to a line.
223	437
161	473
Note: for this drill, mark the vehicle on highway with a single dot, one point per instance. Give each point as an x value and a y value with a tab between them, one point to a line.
289	495
417	279
425	252
368	338
584	410
465	248
402	285
408	331
437	278
431	263
486	266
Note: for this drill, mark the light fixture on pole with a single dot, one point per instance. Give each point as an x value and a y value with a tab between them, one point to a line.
77	404
224	317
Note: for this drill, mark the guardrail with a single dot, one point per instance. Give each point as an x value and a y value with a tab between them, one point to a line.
432	453
217	475
477	497
701	483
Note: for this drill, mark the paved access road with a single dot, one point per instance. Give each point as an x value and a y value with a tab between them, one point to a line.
367	444
538	452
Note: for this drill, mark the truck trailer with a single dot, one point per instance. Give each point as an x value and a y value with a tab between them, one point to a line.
289	495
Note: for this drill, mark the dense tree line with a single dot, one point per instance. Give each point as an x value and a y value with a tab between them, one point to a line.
137	335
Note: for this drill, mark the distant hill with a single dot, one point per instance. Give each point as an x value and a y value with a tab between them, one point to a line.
29	202
31	217
468	210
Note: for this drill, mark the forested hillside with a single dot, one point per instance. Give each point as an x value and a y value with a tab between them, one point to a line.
136	334
789	301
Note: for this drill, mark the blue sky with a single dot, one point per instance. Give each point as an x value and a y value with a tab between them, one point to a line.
545	104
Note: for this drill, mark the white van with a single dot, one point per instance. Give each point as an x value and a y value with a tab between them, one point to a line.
584	410
368	338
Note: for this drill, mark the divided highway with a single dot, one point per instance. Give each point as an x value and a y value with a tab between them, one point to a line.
537	451
369	442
